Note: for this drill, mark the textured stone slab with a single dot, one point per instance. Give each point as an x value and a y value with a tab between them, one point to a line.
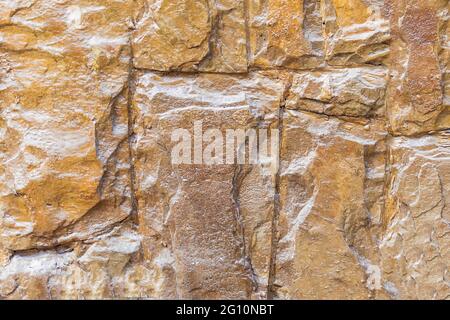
285	33
331	197
356	32
104	267
355	92
63	121
415	245
213	221
189	35
92	204
415	97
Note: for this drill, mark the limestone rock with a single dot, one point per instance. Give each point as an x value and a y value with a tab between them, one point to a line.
356	32
106	266
415	97
285	33
355	92
121	176
213	224
63	121
331	193
415	245
191	35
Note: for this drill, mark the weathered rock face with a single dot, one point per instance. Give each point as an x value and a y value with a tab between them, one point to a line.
418	64
415	250
214	221
96	98
191	35
64	126
285	33
331	189
354	92
356	32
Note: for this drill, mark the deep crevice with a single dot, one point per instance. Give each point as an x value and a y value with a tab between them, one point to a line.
271	292
131	87
239	175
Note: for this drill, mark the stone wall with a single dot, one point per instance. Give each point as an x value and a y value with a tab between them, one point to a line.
91	205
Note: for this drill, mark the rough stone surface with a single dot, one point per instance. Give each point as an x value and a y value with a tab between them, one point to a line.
191	35
417	92
327	212
354	92
63	117
356	32
92	205
415	246
212	223
285	33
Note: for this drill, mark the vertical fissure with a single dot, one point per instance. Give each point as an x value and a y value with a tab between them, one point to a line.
247	30
238	176
131	86
271	293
